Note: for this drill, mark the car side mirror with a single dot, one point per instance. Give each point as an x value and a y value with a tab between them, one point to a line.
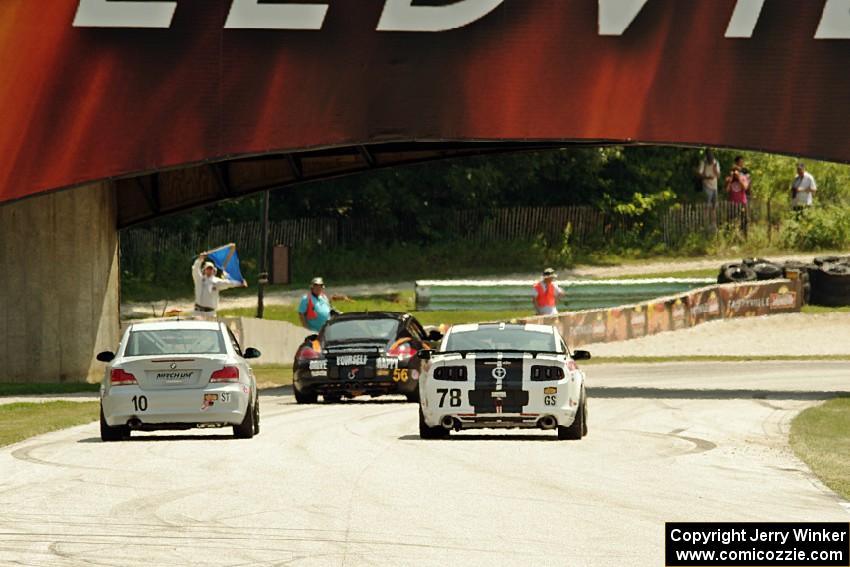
581	355
435	335
106	356
251	352
424	354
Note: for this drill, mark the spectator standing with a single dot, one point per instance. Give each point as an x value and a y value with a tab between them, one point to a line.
709	172
742	167
546	294
803	188
208	285
315	307
737	187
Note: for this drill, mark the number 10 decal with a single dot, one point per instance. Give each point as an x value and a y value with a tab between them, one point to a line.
140	403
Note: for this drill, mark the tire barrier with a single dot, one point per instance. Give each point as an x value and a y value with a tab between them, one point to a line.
825	281
720	301
830	285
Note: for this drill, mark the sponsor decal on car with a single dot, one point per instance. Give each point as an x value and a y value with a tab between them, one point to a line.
386	363
319	364
351	359
549	390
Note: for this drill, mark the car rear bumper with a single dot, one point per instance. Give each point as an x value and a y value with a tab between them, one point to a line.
374	386
561	417
171	408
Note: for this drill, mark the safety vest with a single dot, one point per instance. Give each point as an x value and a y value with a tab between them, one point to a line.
311	311
545	297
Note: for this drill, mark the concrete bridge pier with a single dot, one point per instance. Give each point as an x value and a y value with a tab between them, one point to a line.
59	302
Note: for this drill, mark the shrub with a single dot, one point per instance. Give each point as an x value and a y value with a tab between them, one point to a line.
817	228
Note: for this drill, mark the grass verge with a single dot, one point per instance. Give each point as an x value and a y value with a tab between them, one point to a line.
272	375
820	436
403	301
20	421
10	389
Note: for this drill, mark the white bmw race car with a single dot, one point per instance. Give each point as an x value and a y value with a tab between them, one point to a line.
178	375
500	375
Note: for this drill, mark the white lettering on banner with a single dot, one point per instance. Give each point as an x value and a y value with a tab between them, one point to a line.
835	22
108	14
744	18
250	14
351	360
615	16
402	15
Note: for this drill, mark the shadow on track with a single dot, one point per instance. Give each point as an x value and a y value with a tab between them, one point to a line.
708	394
480	437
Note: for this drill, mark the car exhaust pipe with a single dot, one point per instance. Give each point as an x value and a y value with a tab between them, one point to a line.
448	422
134	423
547	422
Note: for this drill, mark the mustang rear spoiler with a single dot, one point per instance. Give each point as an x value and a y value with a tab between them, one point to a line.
464	353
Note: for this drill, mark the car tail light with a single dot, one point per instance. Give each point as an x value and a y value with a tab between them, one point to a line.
543	373
226	374
119	377
402	351
307	353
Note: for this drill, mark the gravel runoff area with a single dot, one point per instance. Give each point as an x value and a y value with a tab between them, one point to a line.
791	334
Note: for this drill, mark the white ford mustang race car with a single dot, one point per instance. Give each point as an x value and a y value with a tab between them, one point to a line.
500	375
178	375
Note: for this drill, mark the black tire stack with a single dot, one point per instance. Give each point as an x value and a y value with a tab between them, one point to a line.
830	281
825	281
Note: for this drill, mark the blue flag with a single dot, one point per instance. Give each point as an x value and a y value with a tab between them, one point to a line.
226	259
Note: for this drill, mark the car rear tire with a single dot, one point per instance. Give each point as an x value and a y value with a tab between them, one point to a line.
578	428
257	416
304	397
428	432
413	396
245	430
110	433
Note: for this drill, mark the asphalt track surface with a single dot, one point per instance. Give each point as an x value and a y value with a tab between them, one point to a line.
352	484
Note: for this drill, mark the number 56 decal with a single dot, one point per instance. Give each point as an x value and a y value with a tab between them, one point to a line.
400	375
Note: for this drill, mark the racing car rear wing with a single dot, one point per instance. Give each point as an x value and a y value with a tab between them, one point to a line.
576	355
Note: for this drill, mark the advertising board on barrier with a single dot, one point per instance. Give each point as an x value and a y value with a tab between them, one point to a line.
637	321
658	317
704	305
677	312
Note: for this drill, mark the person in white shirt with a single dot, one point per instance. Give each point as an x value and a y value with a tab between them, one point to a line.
803	188
208	285
709	172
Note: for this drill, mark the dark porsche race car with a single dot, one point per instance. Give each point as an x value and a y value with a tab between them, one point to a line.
361	353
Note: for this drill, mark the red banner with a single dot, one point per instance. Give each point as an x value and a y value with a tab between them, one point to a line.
97	88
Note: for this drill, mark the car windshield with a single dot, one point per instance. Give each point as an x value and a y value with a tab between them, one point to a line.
175	341
364	329
493	338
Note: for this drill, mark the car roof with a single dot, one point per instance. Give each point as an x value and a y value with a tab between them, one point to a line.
399	315
175	324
